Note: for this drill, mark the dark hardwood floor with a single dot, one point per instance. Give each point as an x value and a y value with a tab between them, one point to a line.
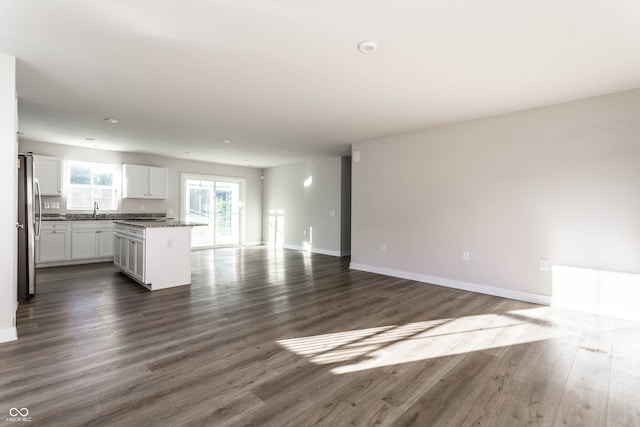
276	338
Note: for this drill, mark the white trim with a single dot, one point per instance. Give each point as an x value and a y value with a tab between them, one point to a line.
345	253
254	243
325	252
74	262
456	284
313	250
292	247
8	334
243	192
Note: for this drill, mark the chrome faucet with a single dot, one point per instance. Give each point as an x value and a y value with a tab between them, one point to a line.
95	210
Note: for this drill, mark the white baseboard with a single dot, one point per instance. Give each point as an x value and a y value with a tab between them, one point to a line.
254	243
8	334
313	250
456	284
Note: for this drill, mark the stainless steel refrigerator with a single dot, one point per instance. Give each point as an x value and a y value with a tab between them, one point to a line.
29	222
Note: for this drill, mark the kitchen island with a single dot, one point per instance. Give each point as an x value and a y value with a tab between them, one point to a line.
156	254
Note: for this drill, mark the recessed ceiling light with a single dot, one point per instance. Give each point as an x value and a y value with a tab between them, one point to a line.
250	166
226	141
367	46
287	151
90	139
187	152
96	146
245	160
110	120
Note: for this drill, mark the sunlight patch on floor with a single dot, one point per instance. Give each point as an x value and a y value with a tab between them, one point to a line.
394	344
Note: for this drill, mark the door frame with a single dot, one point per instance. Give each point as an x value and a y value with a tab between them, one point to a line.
242	197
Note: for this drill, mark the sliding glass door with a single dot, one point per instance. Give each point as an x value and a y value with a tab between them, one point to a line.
217	202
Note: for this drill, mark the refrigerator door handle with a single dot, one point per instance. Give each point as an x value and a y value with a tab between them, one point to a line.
39	218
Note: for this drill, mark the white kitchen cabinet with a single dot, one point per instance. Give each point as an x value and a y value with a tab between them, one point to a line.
91	239
145	182
135	259
120	251
129	252
54	244
48	171
156	256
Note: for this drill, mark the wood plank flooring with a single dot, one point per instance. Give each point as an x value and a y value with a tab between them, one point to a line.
268	337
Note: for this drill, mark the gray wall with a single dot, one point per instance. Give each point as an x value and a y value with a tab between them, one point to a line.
253	205
8	215
560	183
306	208
345	204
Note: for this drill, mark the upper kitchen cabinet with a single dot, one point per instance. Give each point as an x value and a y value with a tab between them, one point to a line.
145	182
48	171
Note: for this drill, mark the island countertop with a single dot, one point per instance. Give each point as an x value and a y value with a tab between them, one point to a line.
158	224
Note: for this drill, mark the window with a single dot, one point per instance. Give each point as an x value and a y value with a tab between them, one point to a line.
89	183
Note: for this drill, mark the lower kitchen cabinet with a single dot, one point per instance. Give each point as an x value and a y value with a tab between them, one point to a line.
155	256
54	244
129	253
74	242
91	239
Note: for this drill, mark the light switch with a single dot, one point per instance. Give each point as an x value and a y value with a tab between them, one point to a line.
332	213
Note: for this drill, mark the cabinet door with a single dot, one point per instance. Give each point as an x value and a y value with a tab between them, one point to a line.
139	272
84	244
52	246
135	259
158	183
121	252
48	171
105	243
135	181
117	251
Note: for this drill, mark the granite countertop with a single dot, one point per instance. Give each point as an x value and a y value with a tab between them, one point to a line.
158	224
103	217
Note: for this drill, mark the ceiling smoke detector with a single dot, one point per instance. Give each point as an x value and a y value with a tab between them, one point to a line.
367	46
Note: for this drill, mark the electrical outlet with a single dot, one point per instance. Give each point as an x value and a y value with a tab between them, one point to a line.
141	207
465	256
169	243
55	205
383	247
544	265
47	205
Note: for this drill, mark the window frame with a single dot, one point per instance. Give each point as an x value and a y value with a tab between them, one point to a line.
93	187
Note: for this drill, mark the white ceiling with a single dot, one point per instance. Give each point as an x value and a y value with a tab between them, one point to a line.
276	75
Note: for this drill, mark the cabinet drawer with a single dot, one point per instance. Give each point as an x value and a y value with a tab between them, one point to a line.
93	225
51	226
134	232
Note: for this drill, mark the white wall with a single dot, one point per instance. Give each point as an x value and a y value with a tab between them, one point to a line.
306	209
8	193
253	204
560	183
